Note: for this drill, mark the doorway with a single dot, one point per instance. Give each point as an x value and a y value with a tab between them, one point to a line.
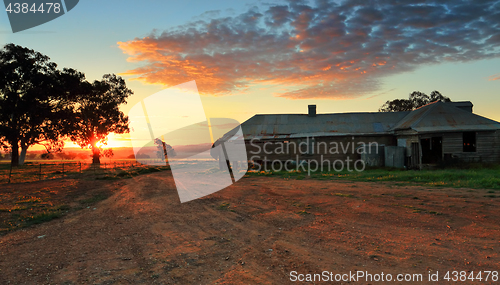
432	150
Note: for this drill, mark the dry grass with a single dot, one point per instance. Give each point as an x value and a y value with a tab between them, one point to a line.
40	170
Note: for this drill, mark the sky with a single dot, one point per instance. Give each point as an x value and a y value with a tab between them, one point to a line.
269	57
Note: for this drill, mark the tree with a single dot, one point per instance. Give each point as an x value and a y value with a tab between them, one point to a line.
108	152
33	100
47	156
96	114
163	149
68	156
416	100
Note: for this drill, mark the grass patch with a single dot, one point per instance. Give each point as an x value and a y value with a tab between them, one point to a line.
475	177
47	170
124	174
62	208
41	217
224	206
344	195
29	200
14	209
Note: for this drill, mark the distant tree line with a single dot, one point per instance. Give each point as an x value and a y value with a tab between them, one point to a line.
416	100
41	104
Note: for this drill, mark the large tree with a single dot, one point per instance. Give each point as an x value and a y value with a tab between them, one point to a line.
97	114
416	100
34	100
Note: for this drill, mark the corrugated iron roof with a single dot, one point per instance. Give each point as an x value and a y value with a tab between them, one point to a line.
444	117
301	125
434	117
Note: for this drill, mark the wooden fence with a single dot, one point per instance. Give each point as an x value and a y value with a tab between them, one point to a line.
42	171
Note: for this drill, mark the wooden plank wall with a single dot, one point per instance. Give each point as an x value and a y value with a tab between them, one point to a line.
319	142
487	147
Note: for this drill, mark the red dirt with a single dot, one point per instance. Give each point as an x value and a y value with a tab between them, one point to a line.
256	232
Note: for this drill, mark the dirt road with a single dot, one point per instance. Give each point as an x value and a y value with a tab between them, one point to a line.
257	232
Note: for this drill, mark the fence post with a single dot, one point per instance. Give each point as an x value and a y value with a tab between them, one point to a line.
63	169
80	167
40	172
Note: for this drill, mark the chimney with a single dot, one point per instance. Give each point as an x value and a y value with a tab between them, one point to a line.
312	111
464	105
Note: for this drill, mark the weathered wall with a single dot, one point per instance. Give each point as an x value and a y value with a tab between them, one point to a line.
340	147
325	148
487	147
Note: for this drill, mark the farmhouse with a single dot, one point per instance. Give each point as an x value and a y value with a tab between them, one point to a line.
437	132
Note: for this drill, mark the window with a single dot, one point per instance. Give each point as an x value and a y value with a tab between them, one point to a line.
469	139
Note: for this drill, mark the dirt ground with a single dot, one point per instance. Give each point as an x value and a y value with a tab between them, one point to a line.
257	232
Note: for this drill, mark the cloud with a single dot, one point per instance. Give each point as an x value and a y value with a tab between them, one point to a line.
494	77
328	50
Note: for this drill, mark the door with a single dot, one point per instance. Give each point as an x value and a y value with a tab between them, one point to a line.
432	150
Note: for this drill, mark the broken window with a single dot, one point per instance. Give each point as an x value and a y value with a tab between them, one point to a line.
469	139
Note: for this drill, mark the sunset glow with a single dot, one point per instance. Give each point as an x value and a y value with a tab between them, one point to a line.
250	142
278	58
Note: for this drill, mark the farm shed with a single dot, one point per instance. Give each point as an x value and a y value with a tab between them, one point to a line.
448	132
428	135
316	136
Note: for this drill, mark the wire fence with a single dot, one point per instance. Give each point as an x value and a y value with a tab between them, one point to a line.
42	171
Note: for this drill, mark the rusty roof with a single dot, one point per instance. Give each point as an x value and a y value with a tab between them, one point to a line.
338	124
434	117
444	117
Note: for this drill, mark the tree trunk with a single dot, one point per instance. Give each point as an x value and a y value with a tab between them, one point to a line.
14	161
22	157
95	155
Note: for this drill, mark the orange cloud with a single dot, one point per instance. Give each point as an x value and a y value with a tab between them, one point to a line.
325	51
494	77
